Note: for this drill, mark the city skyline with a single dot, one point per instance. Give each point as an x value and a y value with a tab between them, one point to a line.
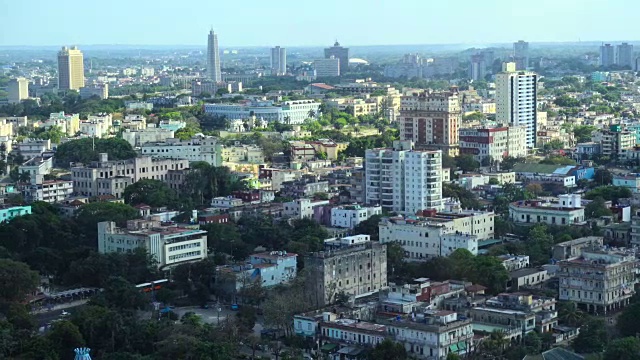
422	23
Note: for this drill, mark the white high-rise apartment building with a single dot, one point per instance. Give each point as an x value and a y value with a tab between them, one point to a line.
70	69
607	55
278	61
213	58
516	103
402	179
18	90
624	55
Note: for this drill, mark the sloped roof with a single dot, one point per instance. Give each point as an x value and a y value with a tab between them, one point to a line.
535	168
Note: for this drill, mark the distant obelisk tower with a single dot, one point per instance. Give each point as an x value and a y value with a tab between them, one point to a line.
213	58
82	354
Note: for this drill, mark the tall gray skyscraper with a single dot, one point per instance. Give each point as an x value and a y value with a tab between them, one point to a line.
278	61
624	55
607	55
340	53
213	58
521	54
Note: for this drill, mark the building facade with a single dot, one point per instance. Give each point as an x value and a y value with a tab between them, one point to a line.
17	90
168	245
326	67
353	265
111	177
349	216
278	61
521	54
600	280
287	112
402	179
340	53
213	58
438	234
494	143
70	69
196	149
516	100
567	211
431	119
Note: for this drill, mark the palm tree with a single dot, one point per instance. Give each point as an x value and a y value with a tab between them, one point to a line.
25	177
311	114
570	314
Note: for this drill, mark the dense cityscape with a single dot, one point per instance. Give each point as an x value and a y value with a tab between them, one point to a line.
433	202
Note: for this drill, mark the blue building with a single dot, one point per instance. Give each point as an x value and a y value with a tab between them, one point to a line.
267	269
9	212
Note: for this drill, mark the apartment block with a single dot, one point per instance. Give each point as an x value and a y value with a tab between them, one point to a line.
49	191
151	135
302	208
567	211
438	233
494	143
31	148
349	216
169	245
432	119
196	149
17	90
100	91
600	280
326	67
110	177
68	123
433	334
516	100
402	179
353	265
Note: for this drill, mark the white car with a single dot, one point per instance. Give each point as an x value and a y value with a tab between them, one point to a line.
64	313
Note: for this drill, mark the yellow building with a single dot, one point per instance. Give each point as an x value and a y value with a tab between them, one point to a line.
354	107
6	128
70	69
329	147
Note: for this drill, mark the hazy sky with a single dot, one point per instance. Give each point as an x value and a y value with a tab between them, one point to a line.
313	23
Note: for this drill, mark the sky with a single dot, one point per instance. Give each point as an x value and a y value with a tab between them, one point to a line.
313	23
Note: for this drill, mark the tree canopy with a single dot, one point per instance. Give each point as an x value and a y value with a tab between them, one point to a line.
154	193
83	150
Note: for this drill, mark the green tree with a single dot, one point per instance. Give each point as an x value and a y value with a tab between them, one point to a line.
369	227
603	177
628	322
566	101
608	193
592	338
64	336
86	150
627	348
583	133
17	280
509	162
467	163
388	350
154	193
121	294
570	314
89	215
557	160
596	208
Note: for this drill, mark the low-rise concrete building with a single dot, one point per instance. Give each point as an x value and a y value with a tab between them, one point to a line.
438	233
168	245
527	277
349	216
567	211
196	149
302	208
264	269
8	212
573	248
